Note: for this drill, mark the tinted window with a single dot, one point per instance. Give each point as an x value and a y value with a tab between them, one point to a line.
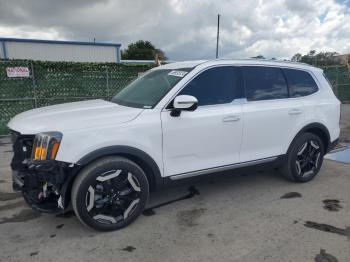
264	83
217	85
147	90
300	82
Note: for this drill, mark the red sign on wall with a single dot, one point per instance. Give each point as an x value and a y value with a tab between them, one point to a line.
18	71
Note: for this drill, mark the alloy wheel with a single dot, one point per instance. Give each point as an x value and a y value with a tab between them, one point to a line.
308	158
113	196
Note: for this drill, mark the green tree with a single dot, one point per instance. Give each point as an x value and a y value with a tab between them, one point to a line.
258	57
317	59
297	57
142	50
312	53
326	58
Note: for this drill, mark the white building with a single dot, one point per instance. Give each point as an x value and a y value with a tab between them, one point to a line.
50	50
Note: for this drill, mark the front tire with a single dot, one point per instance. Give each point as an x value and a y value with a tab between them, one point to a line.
304	158
110	193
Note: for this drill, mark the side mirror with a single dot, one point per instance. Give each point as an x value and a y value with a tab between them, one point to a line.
184	102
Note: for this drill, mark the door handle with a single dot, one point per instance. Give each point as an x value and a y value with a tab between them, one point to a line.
231	118
295	111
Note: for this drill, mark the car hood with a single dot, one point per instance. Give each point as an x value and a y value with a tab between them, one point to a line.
71	116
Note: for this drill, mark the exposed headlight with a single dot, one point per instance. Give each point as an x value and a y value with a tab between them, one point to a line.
46	145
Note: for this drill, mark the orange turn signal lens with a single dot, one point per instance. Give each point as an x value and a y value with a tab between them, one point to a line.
54	150
40	152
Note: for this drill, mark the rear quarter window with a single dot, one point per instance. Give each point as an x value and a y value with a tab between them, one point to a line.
300	83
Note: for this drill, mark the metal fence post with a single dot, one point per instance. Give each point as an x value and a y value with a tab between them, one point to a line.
336	82
34	86
107	82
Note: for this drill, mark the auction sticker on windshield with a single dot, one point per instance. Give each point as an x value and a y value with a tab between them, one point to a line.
177	73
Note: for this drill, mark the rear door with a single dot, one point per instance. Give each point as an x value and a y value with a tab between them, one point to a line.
211	135
270	115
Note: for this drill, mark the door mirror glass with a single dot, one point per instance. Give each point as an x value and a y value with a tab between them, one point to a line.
185	102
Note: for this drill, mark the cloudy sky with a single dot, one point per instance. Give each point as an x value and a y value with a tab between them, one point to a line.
186	29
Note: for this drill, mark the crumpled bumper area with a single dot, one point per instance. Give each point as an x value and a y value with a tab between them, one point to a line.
42	186
45	184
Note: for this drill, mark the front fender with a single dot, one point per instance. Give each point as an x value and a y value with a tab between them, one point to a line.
127	151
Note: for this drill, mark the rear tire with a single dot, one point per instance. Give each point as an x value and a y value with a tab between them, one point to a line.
110	193
304	158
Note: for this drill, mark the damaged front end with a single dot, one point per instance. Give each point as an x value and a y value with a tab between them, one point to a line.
44	183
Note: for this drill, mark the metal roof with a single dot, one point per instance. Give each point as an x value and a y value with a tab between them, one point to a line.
23	40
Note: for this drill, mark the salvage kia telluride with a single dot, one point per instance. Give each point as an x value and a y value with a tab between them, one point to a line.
177	121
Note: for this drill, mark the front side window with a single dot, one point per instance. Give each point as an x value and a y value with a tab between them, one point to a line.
300	82
264	83
147	90
218	85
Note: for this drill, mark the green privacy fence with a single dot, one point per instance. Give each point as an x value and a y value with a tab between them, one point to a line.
339	76
51	83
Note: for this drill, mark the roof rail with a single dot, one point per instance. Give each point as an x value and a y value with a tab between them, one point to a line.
261	60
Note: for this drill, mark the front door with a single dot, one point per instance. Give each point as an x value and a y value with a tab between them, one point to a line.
211	135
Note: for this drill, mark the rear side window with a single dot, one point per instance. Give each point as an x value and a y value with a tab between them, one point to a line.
264	83
300	83
218	85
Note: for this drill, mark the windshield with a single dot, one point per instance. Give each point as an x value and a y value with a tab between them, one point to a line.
147	90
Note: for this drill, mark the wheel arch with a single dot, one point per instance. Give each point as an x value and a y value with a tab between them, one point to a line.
145	161
318	129
141	158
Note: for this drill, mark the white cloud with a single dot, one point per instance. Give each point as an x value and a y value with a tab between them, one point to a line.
30	32
186	29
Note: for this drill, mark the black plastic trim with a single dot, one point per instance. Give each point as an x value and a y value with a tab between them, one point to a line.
276	163
223	168
285	79
126	150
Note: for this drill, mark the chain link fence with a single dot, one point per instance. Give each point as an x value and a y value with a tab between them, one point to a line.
339	76
52	83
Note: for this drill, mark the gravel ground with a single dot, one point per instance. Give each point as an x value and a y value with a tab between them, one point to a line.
240	217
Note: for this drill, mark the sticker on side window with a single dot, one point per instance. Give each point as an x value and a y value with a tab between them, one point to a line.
177	73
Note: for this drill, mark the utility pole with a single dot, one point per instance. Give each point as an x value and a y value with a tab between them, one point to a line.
217	37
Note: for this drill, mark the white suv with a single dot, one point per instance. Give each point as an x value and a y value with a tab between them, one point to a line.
175	122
